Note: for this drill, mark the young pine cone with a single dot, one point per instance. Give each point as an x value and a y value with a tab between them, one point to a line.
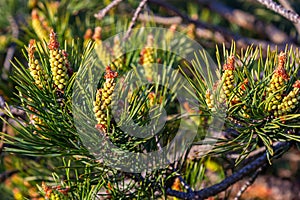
100	49
119	58
39	76
277	83
215	99
228	77
59	63
104	98
147	57
39	28
209	99
290	101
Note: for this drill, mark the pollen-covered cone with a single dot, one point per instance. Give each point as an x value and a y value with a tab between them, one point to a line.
209	99
215	98
170	33
59	63
277	84
228	77
87	37
34	118
104	98
290	101
147	57
38	74
100	49
38	26
118	57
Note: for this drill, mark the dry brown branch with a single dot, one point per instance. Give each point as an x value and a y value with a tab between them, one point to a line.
105	10
247	21
288	6
289	14
134	19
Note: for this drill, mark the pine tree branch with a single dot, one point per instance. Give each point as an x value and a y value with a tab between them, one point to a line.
289	14
134	19
105	10
237	176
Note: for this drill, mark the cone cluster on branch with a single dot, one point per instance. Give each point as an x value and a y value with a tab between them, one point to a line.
36	71
225	86
290	101
59	63
104	98
277	102
277	84
228	77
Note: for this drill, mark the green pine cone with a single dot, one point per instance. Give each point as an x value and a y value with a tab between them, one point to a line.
290	101
39	76
228	77
277	84
58	62
104	98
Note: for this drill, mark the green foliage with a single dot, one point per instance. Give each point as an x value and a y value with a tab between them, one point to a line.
55	135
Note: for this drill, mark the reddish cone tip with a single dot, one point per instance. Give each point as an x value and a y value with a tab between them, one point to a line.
97	33
53	43
280	71
100	127
34	14
230	63
109	73
31	48
297	84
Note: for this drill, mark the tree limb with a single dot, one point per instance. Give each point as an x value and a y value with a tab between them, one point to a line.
288	6
235	177
288	14
105	10
134	19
